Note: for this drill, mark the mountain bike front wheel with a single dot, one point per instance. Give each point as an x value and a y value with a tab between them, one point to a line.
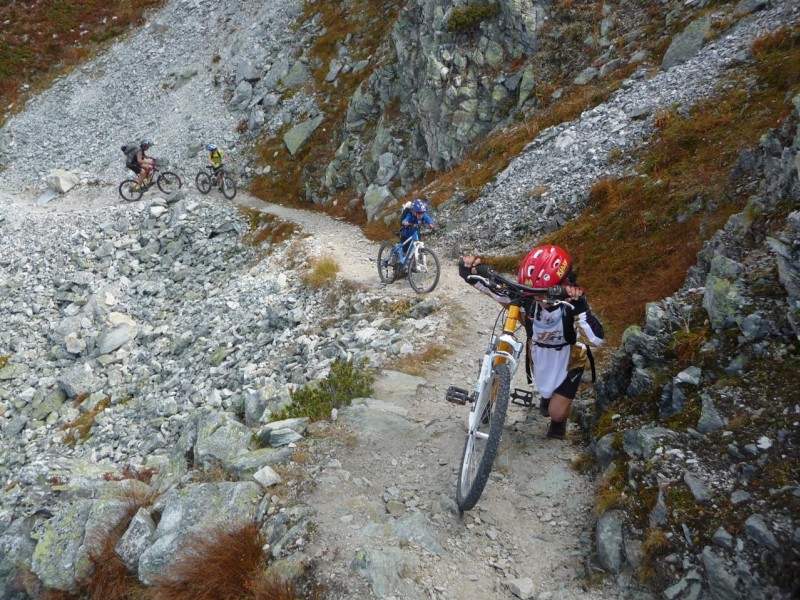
228	186
168	182
385	262
203	182
423	271
487	417
129	191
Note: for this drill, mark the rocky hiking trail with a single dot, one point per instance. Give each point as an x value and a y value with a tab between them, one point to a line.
381	479
384	494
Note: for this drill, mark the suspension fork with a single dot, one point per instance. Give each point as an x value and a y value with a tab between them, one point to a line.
503	345
505	350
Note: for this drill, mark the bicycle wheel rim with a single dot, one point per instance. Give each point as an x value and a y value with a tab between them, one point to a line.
203	182
479	452
385	268
168	182
423	275
128	191
228	187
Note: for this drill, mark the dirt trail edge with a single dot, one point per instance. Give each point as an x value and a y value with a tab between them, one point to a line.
384	500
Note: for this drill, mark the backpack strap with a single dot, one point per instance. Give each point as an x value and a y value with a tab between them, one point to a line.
528	365
590	356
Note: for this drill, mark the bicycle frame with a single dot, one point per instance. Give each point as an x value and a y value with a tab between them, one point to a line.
504	348
413	242
492	391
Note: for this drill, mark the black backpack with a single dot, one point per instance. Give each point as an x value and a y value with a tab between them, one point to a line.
130	151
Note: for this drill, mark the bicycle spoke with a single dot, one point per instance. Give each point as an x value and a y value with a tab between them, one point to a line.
487	417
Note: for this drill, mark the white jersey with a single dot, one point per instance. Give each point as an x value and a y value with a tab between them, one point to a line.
559	339
552	353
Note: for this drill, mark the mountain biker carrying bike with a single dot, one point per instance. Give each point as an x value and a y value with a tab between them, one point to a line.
216	158
142	164
558	336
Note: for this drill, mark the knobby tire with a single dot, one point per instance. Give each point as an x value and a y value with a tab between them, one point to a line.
203	182
385	267
128	192
228	186
168	182
479	454
424	276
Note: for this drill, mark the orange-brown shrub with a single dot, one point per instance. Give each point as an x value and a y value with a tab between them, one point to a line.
224	564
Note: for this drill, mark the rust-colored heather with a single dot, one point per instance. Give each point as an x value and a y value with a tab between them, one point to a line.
110	578
639	235
41	39
272	587
57	595
218	565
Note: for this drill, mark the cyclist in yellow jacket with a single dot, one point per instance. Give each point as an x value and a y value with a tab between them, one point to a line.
216	158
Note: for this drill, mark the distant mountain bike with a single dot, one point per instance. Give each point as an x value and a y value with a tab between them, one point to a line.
492	392
206	178
411	258
167	182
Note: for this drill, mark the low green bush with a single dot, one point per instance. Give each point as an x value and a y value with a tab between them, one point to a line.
468	18
346	381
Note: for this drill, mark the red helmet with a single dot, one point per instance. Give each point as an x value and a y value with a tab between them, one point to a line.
544	266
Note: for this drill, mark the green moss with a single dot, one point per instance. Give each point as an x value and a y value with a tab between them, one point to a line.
688	417
218	356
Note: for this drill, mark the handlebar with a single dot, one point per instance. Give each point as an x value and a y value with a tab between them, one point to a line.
493	279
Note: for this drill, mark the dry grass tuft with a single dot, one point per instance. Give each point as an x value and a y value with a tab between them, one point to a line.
79	428
419	363
270	586
110	576
266	228
224	564
322	272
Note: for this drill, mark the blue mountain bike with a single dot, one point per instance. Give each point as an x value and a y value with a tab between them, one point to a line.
411	259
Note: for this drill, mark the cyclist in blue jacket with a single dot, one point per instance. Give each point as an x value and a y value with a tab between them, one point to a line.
416	213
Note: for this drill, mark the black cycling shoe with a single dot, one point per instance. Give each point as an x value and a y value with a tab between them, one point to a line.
557	431
544	407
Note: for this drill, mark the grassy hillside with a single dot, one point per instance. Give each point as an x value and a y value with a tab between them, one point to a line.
42	39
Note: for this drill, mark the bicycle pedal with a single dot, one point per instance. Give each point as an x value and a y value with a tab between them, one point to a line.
457	395
522	397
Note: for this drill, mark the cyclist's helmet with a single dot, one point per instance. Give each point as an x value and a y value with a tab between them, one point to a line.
145	143
211	147
544	266
419	206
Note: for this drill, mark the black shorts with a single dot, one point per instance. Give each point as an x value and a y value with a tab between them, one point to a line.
569	387
135	168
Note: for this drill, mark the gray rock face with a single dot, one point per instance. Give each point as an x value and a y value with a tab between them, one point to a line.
192	511
610	541
719	304
686	44
297	135
136	539
756	529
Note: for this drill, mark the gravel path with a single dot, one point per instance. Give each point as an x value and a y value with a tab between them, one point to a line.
534	517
